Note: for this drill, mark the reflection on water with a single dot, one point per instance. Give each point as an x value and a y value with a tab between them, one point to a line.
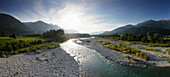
96	65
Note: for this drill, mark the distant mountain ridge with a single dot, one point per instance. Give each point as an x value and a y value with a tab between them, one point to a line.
40	26
9	24
119	30
151	26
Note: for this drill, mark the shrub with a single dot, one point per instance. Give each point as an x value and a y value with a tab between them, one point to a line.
104	42
38	51
168	50
15	52
126	50
13	36
47	59
9	47
127	56
132	58
51	47
33	48
24	50
12	46
137	54
17	72
39	41
15	47
145	57
151	49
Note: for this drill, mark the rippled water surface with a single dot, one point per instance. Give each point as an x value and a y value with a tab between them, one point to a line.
96	65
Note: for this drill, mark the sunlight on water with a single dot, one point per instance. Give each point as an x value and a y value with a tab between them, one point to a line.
96	65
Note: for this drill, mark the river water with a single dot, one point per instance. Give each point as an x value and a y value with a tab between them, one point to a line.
93	64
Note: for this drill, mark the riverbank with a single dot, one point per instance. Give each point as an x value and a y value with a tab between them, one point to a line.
154	57
49	63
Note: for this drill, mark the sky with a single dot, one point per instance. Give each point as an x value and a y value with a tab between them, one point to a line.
86	16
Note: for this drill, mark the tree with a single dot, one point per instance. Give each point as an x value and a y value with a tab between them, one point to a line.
140	37
144	39
148	36
2	34
13	36
58	35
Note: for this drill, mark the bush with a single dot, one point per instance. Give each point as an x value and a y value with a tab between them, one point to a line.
127	56
20	46
126	50
17	72
150	40
9	47
24	50
13	36
38	51
47	59
137	54
152	49
132	58
39	41
33	48
15	52
145	57
104	42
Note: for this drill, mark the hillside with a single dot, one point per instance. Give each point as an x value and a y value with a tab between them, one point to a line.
146	29
151	26
40	26
153	23
9	24
119	30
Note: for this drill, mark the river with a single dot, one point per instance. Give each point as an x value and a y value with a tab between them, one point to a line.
95	65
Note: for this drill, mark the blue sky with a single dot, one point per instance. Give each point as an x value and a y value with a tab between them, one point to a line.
87	15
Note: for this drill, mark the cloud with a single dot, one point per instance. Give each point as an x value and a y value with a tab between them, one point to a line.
68	15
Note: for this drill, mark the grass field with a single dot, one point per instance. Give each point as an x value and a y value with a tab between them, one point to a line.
4	40
10	46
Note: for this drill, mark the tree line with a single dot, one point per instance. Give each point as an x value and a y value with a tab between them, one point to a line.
154	38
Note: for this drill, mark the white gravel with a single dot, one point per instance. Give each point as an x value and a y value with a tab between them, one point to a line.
155	59
50	63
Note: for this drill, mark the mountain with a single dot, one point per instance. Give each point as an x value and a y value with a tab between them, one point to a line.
151	26
40	26
146	29
9	24
153	23
119	30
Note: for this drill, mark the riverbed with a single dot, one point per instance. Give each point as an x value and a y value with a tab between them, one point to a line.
73	59
95	65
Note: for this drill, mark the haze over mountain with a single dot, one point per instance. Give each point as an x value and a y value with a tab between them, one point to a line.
40	26
86	16
70	31
151	26
9	24
96	33
119	30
